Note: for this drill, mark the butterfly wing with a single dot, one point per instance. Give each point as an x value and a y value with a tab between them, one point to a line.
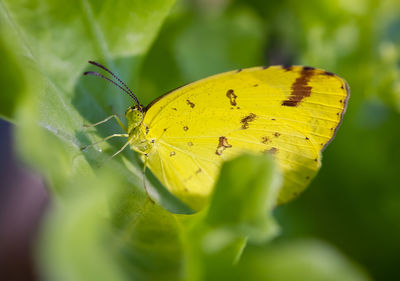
291	112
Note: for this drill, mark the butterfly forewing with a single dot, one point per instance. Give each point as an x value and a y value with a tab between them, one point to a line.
289	112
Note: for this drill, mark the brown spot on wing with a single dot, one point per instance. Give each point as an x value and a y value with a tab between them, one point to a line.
245	120
185	128
222	145
190	103
231	96
276	134
198	171
287	67
237	71
172	153
264	139
300	88
272	150
190	143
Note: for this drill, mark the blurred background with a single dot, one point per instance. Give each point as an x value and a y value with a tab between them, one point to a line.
354	202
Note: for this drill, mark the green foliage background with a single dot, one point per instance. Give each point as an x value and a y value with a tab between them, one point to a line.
101	226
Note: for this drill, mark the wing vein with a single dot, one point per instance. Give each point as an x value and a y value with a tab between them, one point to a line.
186	152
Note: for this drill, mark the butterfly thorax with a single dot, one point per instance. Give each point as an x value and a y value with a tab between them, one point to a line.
136	130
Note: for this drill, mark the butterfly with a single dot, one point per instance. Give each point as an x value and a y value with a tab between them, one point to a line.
184	136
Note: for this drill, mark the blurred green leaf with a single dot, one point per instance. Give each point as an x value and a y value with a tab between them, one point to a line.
12	80
217	44
240	209
244	196
50	133
192	45
108	234
305	260
60	101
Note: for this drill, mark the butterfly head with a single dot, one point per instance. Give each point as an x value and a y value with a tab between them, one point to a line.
134	115
137	130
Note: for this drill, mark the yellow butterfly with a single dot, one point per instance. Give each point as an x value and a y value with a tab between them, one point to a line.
184	136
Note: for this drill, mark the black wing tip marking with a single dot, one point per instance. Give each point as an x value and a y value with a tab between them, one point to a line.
345	102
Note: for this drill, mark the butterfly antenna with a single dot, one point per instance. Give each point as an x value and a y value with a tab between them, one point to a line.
108	79
112	73
126	89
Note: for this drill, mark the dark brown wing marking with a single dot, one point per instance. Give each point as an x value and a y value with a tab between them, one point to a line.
249	118
231	96
300	88
222	145
264	139
190	103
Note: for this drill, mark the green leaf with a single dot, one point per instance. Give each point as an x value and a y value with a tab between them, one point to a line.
12	79
46	29
244	196
59	100
108	234
303	260
55	42
240	209
210	45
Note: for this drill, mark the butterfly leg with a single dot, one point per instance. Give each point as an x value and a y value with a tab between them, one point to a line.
105	120
122	149
105	139
118	152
